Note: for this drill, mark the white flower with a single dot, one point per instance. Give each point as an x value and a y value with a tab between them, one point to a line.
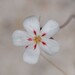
35	39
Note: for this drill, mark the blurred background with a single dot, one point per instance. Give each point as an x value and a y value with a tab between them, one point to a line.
12	14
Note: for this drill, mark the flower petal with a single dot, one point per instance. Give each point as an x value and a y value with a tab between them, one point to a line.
49	46
32	25
20	38
31	55
50	28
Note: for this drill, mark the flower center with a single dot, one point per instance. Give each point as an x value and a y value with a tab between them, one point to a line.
37	39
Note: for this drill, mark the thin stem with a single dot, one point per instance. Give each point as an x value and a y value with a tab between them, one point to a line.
49	61
68	21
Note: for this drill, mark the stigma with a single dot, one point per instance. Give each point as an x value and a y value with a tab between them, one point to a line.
37	39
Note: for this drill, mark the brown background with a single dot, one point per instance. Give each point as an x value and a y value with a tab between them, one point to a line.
12	14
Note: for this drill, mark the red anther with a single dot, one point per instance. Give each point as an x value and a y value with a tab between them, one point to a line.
26	46
34	32
35	46
43	43
43	34
29	39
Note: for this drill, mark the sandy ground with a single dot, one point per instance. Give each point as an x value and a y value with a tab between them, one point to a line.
12	14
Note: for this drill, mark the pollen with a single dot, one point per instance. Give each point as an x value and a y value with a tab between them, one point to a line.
37	39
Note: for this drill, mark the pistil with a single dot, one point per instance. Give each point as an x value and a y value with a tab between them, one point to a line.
37	39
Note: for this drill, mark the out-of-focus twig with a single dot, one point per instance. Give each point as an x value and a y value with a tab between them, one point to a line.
68	21
50	62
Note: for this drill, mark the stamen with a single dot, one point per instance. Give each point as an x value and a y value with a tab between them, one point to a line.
26	46
43	34
43	43
34	32
29	39
35	46
51	38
